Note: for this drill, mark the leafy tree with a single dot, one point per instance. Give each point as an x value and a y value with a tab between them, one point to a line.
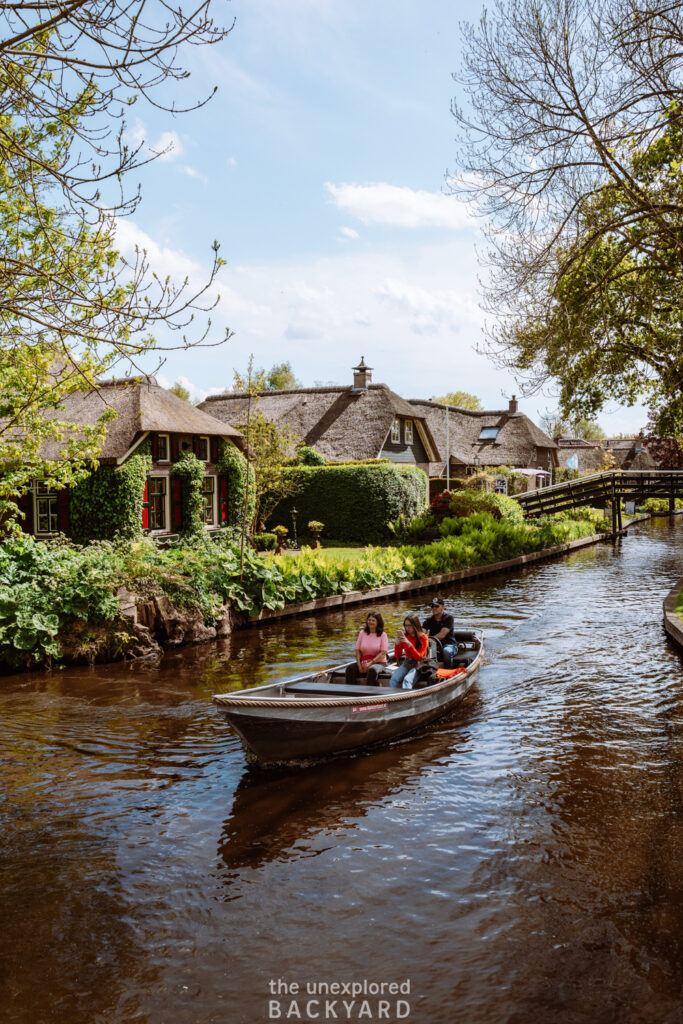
556	425
571	146
180	390
280	377
460	399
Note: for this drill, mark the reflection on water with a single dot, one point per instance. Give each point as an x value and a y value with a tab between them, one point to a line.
519	860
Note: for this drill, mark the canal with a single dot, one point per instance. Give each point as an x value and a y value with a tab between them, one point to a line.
522	860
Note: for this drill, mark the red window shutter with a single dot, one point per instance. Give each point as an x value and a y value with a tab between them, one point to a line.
63	510
155	447
177	505
214	449
145	507
174	447
224	499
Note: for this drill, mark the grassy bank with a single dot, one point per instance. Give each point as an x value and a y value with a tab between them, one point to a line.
44	588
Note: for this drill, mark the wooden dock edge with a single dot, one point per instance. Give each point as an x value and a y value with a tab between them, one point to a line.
351	597
673	624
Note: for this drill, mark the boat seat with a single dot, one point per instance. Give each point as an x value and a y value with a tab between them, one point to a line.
319	689
464	658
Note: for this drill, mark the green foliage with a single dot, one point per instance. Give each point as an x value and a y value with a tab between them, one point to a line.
460	399
232	464
180	391
316	525
306	456
660	504
108	503
264	541
269	453
190	471
281	377
356	501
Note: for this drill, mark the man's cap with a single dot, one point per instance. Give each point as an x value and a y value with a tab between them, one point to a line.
437	601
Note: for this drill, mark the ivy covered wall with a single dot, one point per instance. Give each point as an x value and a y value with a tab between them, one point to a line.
109	502
233	469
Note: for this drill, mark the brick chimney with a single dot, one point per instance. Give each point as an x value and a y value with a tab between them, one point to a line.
362	375
512	406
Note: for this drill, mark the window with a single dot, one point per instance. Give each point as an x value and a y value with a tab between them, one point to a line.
408	431
46	514
203	449
500	485
396	432
162	448
157	503
488	433
209	500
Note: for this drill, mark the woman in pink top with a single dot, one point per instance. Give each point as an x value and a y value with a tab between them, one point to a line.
371	649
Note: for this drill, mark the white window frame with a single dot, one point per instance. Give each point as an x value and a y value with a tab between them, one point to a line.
408	431
211	476
51	497
167	503
396	431
490	436
208	448
168	447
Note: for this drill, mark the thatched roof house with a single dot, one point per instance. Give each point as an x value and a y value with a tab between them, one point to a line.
167	426
472	438
577	453
630	453
360	421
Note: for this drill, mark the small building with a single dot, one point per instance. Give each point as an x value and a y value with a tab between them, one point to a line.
470	439
630	453
583	456
152	420
358	421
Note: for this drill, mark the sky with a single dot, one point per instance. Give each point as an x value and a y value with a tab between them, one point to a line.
320	165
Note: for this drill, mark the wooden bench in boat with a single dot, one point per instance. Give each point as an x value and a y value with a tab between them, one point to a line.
318	688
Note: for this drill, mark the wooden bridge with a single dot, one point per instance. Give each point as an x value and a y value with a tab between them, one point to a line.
605	489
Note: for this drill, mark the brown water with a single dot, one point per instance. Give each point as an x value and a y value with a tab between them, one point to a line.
520	861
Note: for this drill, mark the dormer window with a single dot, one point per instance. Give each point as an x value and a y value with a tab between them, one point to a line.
488	433
163	448
203	449
408	431
396	432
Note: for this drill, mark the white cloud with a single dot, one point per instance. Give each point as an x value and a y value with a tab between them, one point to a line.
168	146
348	233
231	161
192	173
399	206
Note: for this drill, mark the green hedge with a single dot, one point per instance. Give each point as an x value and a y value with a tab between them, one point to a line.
355	501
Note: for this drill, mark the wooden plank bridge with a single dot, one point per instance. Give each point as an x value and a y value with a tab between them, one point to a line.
605	489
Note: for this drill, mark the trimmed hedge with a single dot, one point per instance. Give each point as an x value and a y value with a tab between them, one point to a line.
354	501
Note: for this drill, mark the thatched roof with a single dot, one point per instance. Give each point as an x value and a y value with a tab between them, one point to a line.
590	455
630	453
340	422
515	444
142	407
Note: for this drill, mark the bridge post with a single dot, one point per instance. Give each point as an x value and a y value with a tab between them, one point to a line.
614	511
672	502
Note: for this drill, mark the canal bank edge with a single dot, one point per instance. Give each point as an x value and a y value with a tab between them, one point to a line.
353	597
673	624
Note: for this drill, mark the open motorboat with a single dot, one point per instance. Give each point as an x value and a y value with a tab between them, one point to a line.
320	713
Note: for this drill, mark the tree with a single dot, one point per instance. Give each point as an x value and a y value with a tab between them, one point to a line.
281	377
180	390
572	150
555	426
460	399
70	307
267	450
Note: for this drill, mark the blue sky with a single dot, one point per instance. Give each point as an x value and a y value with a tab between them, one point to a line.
320	167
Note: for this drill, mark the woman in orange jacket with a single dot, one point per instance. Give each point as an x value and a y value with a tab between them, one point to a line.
414	644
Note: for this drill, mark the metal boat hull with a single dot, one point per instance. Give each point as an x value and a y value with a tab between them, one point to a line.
278	726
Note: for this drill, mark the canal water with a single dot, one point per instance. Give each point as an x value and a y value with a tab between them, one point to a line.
520	861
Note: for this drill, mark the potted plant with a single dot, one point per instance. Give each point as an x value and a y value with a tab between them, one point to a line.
316	529
280	533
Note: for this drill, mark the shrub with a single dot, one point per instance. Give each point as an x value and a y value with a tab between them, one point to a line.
355	501
306	456
265	541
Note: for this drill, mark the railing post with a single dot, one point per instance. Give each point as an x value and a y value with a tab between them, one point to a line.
614	511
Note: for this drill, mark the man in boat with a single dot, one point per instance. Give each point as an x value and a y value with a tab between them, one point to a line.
440	625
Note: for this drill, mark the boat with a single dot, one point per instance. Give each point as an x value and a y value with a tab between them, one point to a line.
319	714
